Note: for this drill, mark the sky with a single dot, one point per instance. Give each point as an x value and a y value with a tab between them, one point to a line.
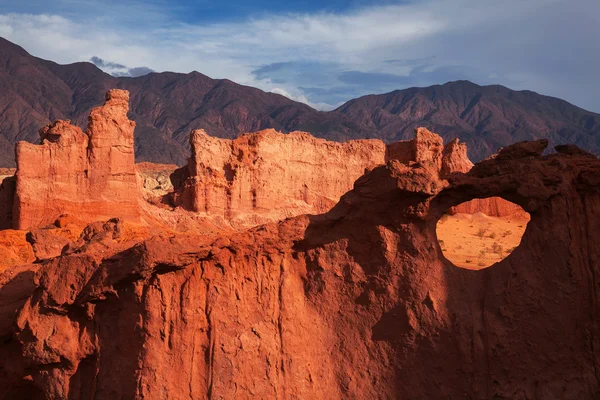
324	53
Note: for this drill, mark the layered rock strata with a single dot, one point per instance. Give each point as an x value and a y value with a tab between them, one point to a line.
267	176
355	303
89	174
492	206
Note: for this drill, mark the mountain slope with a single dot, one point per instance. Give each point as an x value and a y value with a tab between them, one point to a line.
486	117
167	106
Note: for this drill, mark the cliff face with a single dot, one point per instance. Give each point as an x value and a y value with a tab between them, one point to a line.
356	303
267	176
493	206
89	174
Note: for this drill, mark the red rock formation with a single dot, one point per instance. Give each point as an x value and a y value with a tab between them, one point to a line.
91	175
455	158
14	249
492	206
267	176
356	303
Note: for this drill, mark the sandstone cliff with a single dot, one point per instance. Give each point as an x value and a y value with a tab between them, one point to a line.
89	174
356	303
267	176
492	206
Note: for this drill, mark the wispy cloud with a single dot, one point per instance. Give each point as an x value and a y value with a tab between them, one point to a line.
324	58
116	69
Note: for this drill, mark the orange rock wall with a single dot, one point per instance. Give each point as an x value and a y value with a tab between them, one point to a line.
88	174
491	206
356	304
267	176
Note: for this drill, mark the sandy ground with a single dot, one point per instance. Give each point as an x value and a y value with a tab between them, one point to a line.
478	241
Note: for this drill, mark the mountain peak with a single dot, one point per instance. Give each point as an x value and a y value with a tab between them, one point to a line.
463	83
9	47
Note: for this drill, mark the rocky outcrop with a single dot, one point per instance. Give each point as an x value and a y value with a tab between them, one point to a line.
355	303
268	176
491	206
89	174
456	160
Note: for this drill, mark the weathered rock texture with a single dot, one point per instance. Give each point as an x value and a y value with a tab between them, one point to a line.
356	303
91	175
267	176
155	180
492	206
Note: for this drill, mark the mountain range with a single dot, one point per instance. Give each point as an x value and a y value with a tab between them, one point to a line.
167	106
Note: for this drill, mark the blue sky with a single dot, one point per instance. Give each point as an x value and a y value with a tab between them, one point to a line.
326	52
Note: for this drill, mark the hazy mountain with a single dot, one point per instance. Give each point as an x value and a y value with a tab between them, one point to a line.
486	117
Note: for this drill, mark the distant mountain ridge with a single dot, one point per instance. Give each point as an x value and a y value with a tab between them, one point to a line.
167	106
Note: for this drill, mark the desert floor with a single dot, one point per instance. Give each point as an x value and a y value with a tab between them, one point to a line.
478	241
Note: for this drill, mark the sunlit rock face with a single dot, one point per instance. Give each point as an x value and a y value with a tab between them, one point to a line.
89	174
267	176
356	302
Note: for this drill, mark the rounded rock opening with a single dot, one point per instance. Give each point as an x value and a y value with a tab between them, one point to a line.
481	232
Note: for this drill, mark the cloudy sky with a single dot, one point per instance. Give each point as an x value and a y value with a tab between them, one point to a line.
326	52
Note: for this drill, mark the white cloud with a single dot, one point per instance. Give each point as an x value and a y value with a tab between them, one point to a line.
303	99
498	39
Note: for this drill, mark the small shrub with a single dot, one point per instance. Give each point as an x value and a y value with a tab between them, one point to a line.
497	248
507	233
468	261
481	233
492	235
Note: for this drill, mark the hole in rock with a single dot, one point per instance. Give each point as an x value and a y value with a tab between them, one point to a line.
481	232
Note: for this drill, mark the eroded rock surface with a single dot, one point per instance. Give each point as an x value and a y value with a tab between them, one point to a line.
492	206
267	176
89	174
355	303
